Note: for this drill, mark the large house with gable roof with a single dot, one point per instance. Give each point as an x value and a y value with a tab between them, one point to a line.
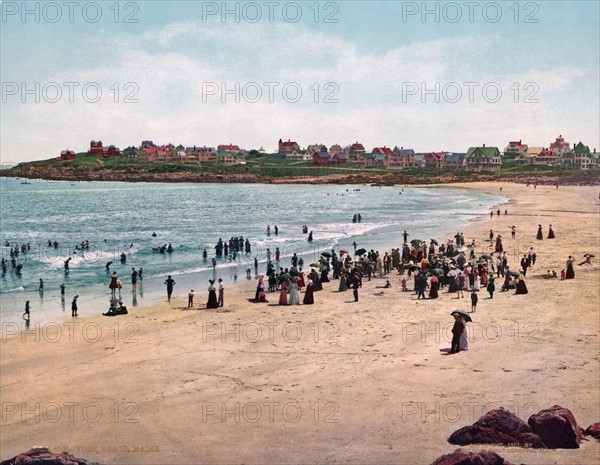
482	159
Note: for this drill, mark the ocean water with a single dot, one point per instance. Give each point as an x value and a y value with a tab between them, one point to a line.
120	218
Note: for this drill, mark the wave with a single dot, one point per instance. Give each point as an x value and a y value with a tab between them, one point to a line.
16	289
92	255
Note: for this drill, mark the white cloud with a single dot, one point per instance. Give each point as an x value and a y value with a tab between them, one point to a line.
171	65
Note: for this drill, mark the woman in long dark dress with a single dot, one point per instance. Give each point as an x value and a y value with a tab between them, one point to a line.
314	277
490	286
540	234
499	244
570	270
521	287
308	294
434	286
259	286
343	284
471	279
550	232
212	295
452	284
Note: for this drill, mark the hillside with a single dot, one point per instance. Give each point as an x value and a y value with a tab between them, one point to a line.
273	169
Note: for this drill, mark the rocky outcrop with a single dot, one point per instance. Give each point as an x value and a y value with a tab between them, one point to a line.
498	426
459	457
557	428
43	456
593	431
144	172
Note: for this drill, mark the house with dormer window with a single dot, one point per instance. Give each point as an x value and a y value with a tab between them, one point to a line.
482	159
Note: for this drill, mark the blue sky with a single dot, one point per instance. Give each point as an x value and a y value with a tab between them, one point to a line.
382	73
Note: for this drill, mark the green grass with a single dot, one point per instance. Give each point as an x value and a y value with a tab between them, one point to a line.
277	166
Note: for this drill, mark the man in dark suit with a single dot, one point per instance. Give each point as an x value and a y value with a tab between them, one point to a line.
457	330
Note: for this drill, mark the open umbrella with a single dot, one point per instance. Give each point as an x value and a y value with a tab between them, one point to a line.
514	273
464	315
416	241
589	255
326	254
343	251
434	241
315	265
485	257
360	252
463	249
437	271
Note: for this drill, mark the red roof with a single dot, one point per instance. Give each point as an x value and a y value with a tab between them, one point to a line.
517	143
358	146
383	150
288	143
437	155
226	147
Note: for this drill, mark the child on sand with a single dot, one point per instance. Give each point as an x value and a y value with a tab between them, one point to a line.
473	302
404	284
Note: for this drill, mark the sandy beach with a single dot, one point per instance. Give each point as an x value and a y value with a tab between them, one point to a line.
334	382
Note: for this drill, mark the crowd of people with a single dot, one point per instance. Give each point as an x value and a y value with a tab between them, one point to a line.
234	246
452	265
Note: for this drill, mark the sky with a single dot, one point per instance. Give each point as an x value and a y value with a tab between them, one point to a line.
430	76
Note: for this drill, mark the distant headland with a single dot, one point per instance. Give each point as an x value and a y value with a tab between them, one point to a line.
266	169
317	164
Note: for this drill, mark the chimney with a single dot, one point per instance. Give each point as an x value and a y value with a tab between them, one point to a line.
573	144
483	145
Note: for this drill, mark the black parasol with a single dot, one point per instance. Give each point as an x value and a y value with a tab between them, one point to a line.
464	315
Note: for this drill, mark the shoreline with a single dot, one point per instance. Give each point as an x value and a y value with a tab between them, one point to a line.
390	178
357	371
47	307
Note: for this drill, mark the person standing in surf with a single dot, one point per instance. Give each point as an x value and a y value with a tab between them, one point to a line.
169	282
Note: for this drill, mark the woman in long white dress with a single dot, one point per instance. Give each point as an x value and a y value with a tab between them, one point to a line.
294	295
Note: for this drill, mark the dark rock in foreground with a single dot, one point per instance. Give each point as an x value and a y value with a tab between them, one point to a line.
43	456
557	428
593	431
499	427
458	457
